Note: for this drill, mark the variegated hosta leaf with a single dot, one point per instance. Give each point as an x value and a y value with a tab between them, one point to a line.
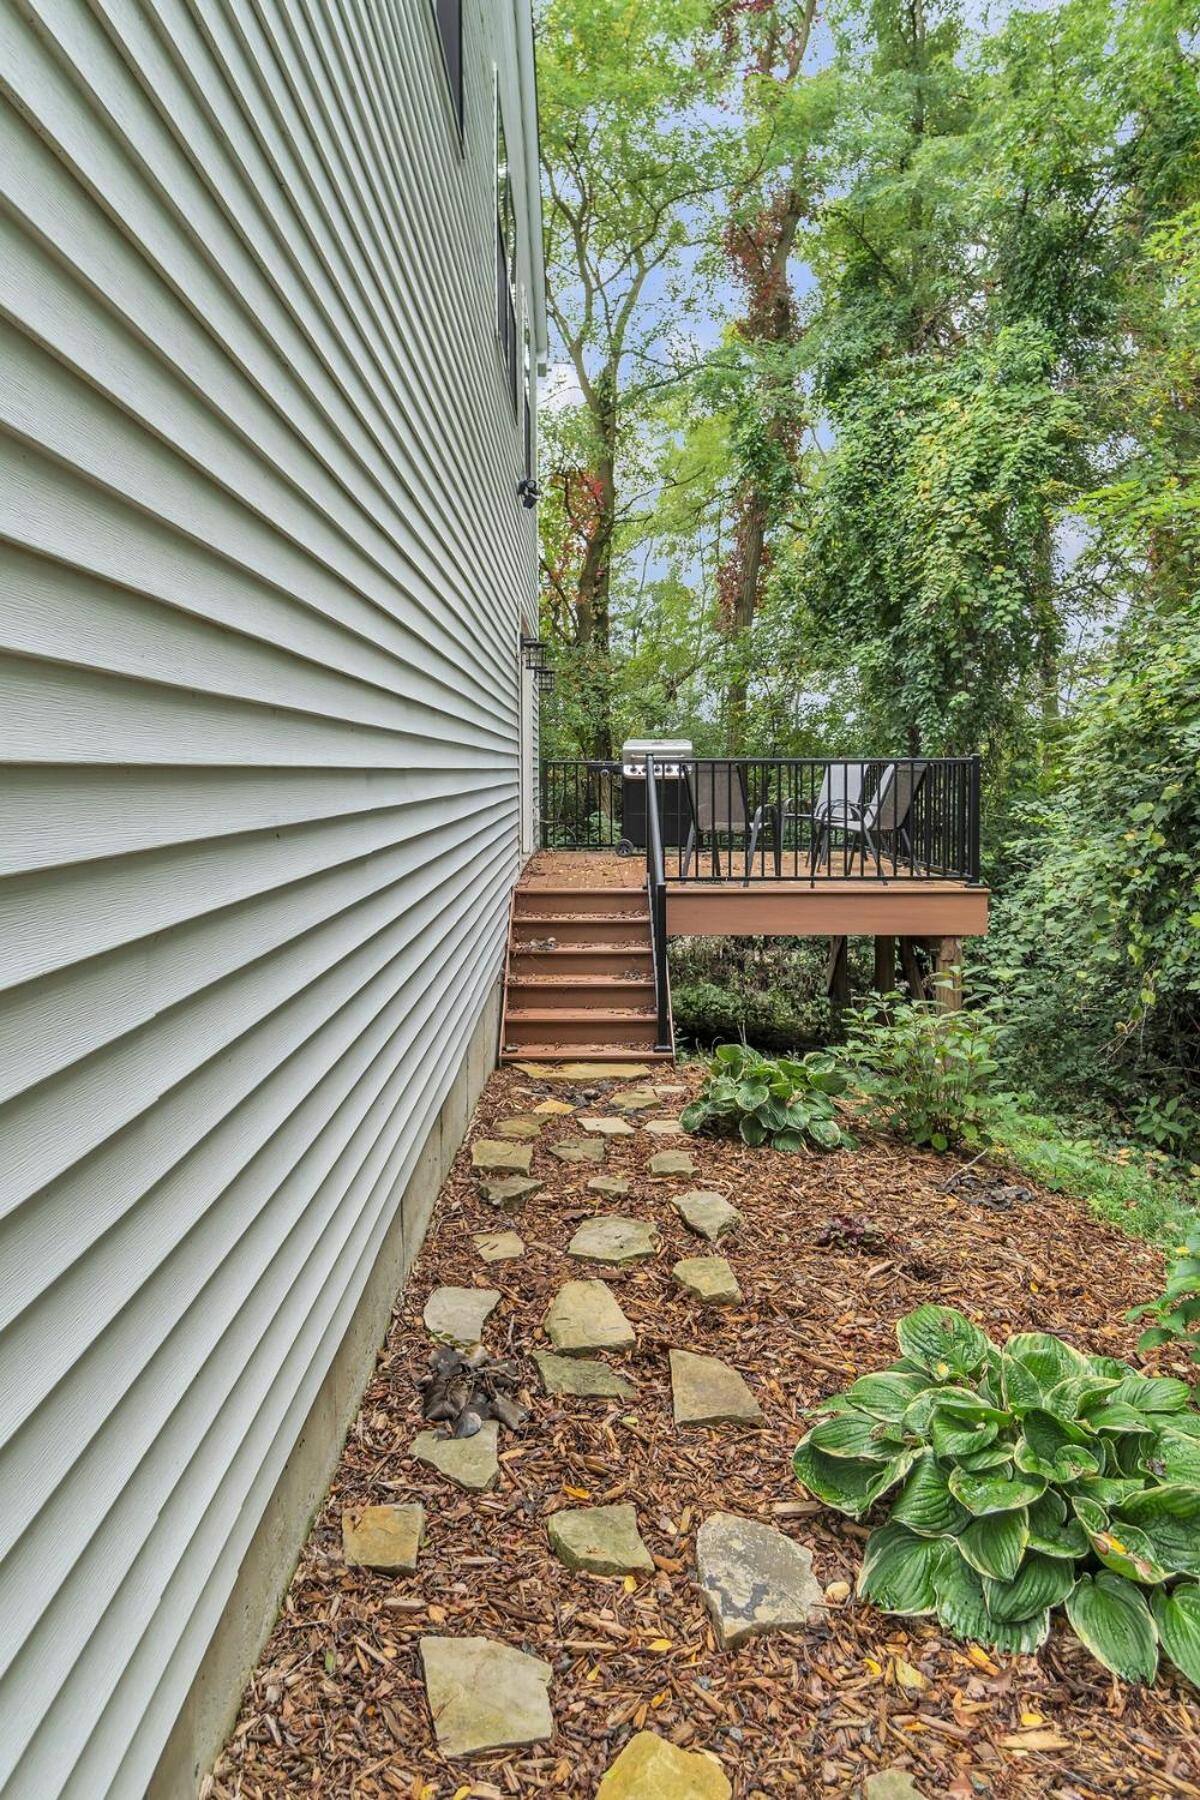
1128	1551
1114	1416
995	1545
1040	1583
1170	1518
989	1493
996	1456
1066	1542
1177	1616
1054	1449
899	1569
1065	1399
1048	1359
850	1485
963	1610
851	1434
925	1503
1020	1386
1152	1393
1090	1513
960	1437
1107	1490
888	1394
942	1341
1175	1457
1110	1618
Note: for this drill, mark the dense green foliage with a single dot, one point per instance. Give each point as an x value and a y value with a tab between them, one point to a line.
786	1104
1022	1479
1176	1312
924	1073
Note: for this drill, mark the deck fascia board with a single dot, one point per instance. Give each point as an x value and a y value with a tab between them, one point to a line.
851	908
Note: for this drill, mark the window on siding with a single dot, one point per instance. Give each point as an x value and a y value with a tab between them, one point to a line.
506	255
448	14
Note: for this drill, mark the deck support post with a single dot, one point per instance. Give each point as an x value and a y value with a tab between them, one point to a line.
948	966
837	975
885	964
911	968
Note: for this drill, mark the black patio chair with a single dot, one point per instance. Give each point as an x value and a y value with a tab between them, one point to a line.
880	823
720	807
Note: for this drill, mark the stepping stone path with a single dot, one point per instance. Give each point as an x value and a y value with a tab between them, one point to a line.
615	1240
584	1071
554	1106
635	1100
499	1246
493	1154
706	1391
615	1185
672	1162
584	1316
383	1537
708	1215
708	1279
607	1127
581	1375
754	1579
603	1540
509	1192
522	1125
457	1315
664	1128
580	1150
652	1768
473	1462
892	1784
485	1696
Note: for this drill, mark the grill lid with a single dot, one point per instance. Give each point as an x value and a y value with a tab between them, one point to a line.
634	752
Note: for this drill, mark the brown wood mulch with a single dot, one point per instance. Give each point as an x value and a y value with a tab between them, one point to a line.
337	1705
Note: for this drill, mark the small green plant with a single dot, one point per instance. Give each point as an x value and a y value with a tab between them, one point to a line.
924	1073
1176	1312
786	1104
1030	1477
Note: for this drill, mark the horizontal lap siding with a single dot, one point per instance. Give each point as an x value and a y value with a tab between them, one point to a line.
262	578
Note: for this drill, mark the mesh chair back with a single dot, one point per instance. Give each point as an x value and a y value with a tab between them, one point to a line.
895	794
841	788
718	794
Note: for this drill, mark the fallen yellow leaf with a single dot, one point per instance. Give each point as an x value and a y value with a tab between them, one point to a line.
981	1659
629	1583
660	1644
909	1677
1033	1718
578	1493
873	1668
1036	1740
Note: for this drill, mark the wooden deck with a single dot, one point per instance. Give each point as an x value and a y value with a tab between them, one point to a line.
902	906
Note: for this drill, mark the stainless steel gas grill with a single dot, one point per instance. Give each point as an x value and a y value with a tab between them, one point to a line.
670	755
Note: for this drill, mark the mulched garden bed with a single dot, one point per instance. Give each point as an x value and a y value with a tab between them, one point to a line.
337	1705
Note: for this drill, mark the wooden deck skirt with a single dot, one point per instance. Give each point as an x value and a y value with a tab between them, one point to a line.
899	908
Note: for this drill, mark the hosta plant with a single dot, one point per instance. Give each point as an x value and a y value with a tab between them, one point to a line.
1019	1480
786	1103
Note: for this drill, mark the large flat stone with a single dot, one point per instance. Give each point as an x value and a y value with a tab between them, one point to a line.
708	1279
706	1391
499	1246
652	1768
457	1315
754	1579
709	1215
584	1316
383	1537
614	1240
484	1695
521	1125
664	1128
635	1100
579	1150
580	1375
603	1540
616	1185
672	1162
554	1107
510	1192
586	1071
607	1127
493	1154
472	1463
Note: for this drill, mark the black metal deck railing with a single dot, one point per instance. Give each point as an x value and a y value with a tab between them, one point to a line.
758	819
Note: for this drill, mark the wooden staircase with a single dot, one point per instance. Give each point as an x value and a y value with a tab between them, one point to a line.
579	981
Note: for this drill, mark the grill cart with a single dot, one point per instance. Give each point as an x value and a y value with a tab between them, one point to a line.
670	754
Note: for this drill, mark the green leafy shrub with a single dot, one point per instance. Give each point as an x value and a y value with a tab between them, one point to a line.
1176	1312
707	1014
1029	1477
925	1074
786	1104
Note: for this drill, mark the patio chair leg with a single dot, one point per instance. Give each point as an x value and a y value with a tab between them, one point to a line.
687	852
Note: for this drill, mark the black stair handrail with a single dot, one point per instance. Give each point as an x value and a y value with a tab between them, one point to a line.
656	893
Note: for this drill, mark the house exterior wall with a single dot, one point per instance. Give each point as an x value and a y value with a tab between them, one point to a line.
263	575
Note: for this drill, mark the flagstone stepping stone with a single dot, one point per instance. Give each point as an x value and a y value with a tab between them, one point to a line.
708	1279
652	1768
457	1315
603	1540
672	1162
484	1695
615	1240
608	1127
492	1154
635	1100
584	1316
580	1150
586	1071
521	1125
509	1192
559	1107
708	1215
616	1185
499	1246
664	1128
754	1579
706	1391
582	1376
539	1071
668	1091
383	1537
892	1784
472	1462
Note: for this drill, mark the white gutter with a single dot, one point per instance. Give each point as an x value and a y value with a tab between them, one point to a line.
527	76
